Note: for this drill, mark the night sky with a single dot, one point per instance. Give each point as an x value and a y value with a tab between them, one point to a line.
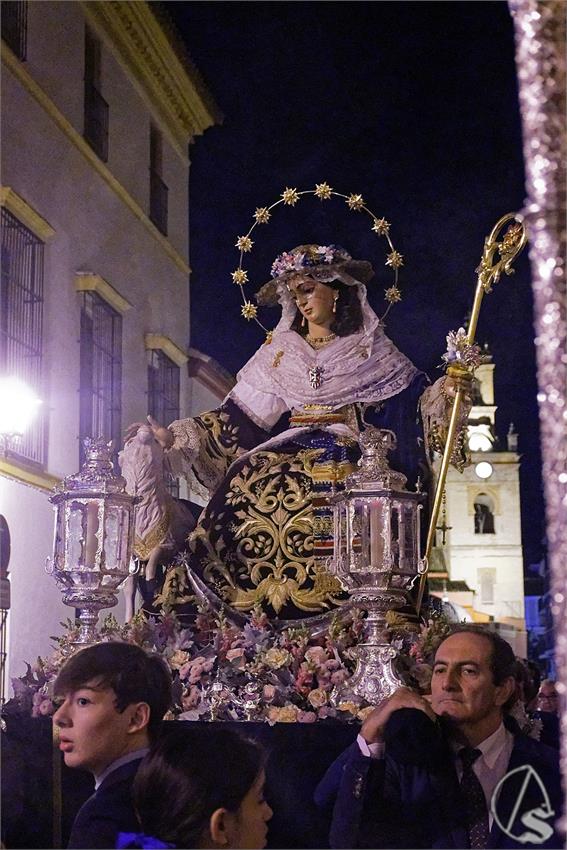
414	105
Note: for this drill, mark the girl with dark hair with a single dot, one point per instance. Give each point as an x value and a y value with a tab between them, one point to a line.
196	790
286	436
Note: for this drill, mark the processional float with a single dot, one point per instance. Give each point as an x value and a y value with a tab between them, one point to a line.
376	519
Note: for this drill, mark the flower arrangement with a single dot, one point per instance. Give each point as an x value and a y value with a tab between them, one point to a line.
460	351
314	256
221	671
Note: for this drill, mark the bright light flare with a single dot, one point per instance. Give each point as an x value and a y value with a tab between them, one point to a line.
18	406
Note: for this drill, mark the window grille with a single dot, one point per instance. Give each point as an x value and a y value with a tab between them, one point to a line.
96	107
163	396
21	325
14	18
100	372
158	189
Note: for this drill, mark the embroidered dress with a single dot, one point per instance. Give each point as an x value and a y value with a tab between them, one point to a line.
283	439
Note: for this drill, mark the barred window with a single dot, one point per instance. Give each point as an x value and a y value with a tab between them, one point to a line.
96	107
101	371
163	395
14	17
21	324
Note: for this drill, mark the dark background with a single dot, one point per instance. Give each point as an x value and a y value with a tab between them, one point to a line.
414	105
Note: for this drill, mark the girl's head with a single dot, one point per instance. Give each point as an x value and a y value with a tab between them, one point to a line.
197	790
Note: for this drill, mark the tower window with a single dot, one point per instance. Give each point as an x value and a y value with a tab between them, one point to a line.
483	514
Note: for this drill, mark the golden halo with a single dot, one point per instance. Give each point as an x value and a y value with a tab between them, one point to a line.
290	197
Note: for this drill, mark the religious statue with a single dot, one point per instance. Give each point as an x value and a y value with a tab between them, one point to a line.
286	436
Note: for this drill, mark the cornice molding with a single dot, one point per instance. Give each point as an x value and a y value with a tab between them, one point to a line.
174	93
38	480
209	373
169	348
31	219
13	64
89	282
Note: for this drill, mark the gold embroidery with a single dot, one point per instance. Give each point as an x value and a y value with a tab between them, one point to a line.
266	554
277	359
144	546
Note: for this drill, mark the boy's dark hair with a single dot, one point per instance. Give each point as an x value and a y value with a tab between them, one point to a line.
133	675
348	318
187	775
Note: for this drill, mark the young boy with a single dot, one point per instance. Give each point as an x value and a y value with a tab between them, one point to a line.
112	698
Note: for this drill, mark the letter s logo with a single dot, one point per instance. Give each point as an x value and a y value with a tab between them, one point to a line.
541	831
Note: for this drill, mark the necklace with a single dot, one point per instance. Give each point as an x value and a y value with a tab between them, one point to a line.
319	341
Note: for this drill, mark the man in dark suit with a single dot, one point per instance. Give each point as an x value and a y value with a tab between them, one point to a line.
446	771
112	698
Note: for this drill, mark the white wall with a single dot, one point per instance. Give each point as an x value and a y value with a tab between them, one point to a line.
95	231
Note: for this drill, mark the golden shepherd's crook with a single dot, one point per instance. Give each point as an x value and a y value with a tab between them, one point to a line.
489	272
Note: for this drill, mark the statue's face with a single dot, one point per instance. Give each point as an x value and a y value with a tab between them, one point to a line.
314	300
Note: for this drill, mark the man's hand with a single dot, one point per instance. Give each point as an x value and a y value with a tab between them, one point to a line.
373	727
162	435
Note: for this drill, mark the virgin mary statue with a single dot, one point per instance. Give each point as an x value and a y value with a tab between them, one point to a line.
286	436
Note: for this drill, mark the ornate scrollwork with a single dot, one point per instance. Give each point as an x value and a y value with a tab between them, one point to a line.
257	547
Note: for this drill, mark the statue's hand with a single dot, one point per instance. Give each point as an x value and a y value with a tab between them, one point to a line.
459	380
163	435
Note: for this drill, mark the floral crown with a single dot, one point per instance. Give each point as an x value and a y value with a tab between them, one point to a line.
307	256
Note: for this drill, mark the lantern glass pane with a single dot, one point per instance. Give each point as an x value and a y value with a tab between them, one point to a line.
116	537
75	540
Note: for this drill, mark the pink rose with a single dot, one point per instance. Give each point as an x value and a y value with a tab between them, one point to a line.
306	716
268	692
316	655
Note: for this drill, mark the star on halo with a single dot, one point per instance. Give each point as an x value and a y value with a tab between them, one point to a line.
395	260
240	276
323	191
244	243
355	202
249	310
290	196
393	294
381	226
262	215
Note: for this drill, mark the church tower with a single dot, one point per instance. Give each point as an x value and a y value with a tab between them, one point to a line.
477	563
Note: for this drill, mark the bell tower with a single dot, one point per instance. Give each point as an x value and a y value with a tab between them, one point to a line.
477	563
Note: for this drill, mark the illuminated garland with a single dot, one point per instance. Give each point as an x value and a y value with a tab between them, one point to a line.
290	197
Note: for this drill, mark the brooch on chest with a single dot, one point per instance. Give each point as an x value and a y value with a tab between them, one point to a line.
316	376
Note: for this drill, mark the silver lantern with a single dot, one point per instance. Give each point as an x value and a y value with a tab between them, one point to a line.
94	531
376	555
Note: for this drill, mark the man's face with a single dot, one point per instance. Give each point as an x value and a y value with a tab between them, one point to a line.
462	686
92	732
547	699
